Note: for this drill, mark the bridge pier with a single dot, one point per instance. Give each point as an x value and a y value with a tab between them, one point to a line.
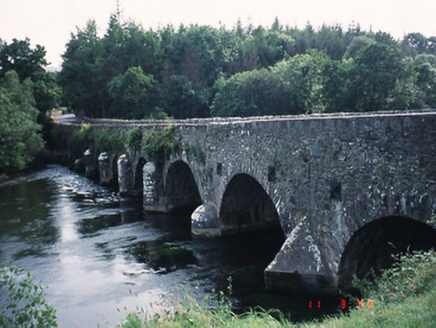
91	170
150	192
107	169
299	265
125	175
205	221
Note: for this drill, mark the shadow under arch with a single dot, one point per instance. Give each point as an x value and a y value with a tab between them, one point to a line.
372	246
139	177
246	206
181	190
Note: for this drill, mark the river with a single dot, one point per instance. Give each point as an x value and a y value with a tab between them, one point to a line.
101	256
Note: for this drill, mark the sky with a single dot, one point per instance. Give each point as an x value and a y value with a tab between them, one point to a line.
51	22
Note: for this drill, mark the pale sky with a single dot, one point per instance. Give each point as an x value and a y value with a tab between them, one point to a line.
50	22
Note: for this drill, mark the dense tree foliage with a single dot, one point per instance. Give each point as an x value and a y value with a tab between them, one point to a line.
19	133
27	93
136	91
30	64
199	71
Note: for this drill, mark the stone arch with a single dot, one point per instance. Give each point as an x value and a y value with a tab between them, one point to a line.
245	205
371	247
181	190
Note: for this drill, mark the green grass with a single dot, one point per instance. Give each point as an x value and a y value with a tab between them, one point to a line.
404	296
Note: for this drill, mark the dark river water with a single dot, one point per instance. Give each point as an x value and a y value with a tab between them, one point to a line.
101	256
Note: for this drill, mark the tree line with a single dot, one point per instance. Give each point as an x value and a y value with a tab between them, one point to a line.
202	71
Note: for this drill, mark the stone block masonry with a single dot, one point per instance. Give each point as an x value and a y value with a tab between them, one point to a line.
322	178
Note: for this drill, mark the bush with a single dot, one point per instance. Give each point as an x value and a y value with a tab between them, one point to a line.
135	139
403	296
25	304
109	141
411	275
82	140
160	143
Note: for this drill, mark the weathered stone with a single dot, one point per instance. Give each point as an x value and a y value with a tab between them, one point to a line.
151	198
106	169
329	175
205	221
79	166
90	166
125	175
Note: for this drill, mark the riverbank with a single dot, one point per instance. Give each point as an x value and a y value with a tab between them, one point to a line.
404	296
42	159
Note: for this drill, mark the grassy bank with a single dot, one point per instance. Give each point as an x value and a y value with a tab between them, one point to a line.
404	296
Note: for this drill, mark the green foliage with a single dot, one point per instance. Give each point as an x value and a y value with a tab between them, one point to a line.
195	152
20	140
374	77
30	63
405	296
254	93
135	95
82	140
134	139
290	87
81	78
186	98
160	143
411	275
215	311
198	71
108	141
101	140
25	304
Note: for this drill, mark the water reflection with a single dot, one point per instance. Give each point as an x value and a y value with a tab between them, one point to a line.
99	253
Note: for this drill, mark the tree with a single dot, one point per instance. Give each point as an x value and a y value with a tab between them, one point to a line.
81	76
30	63
253	93
424	67
19	56
356	45
20	140
374	77
414	44
135	95
334	84
186	99
330	40
303	74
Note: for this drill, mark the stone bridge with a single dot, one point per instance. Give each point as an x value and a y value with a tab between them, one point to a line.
346	189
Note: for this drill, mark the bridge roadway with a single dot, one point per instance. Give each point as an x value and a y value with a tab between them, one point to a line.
346	189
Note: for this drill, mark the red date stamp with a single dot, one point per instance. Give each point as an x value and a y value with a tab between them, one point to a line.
344	304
